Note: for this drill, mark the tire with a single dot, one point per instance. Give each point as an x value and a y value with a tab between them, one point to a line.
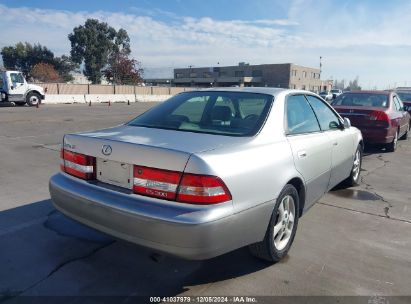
392	146
33	99
354	178
277	243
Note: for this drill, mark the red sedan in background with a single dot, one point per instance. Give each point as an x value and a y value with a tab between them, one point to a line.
405	96
380	115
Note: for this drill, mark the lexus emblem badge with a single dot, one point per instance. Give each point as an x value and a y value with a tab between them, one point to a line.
106	149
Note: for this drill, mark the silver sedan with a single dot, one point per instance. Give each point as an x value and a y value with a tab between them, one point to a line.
209	171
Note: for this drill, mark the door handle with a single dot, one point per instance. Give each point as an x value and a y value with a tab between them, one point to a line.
301	154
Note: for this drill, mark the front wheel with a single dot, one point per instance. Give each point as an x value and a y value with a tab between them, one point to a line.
281	229
33	99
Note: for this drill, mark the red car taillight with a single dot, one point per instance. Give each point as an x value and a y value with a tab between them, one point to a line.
182	187
79	165
202	189
379	116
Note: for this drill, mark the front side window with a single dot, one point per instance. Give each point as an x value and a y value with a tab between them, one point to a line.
300	116
326	117
16	78
224	113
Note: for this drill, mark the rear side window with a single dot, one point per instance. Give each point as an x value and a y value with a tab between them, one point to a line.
326	117
398	104
300	116
225	113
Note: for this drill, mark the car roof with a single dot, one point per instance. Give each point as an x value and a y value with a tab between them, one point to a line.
260	90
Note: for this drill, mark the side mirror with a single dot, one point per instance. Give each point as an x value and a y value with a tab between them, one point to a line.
347	123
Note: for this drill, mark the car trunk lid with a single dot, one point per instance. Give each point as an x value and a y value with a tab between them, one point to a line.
158	148
363	117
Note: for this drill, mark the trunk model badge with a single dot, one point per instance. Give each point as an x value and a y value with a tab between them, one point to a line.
106	149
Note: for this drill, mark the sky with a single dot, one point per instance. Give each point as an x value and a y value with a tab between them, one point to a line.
370	39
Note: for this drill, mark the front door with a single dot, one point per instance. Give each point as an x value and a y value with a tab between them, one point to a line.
342	142
17	86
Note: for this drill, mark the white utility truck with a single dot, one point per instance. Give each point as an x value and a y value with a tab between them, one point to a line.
14	90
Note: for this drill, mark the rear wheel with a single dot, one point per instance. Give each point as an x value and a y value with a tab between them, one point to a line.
354	178
392	146
281	229
33	99
405	136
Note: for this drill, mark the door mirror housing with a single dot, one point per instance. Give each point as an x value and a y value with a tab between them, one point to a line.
347	123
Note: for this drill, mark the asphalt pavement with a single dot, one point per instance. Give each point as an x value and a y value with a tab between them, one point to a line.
354	242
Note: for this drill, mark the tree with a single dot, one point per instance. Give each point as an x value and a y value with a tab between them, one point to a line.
353	85
94	43
123	70
24	56
44	72
65	65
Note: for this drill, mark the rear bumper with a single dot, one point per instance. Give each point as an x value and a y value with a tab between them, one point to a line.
188	231
377	135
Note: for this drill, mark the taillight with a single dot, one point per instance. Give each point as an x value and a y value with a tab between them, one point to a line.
156	182
178	186
79	165
202	189
379	116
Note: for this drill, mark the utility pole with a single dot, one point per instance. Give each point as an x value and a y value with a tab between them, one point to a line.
321	65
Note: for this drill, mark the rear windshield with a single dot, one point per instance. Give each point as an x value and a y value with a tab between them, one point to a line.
224	113
362	100
405	96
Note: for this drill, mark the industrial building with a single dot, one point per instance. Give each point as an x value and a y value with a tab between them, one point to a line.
285	75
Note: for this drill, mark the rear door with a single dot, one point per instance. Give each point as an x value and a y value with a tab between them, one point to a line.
342	141
401	116
311	148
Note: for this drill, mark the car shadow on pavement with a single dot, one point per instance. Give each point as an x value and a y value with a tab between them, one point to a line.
46	253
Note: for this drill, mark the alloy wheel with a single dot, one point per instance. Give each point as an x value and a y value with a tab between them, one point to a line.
285	222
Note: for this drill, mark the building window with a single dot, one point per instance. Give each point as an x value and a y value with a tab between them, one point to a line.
304	74
193	75
303	87
257	73
294	73
239	74
222	74
179	75
207	75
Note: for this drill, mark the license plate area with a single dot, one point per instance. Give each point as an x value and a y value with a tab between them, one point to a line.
115	173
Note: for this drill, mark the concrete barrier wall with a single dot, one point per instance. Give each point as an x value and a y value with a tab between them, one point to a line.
99	98
81	89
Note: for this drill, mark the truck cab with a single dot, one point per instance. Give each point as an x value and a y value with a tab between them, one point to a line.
14	90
